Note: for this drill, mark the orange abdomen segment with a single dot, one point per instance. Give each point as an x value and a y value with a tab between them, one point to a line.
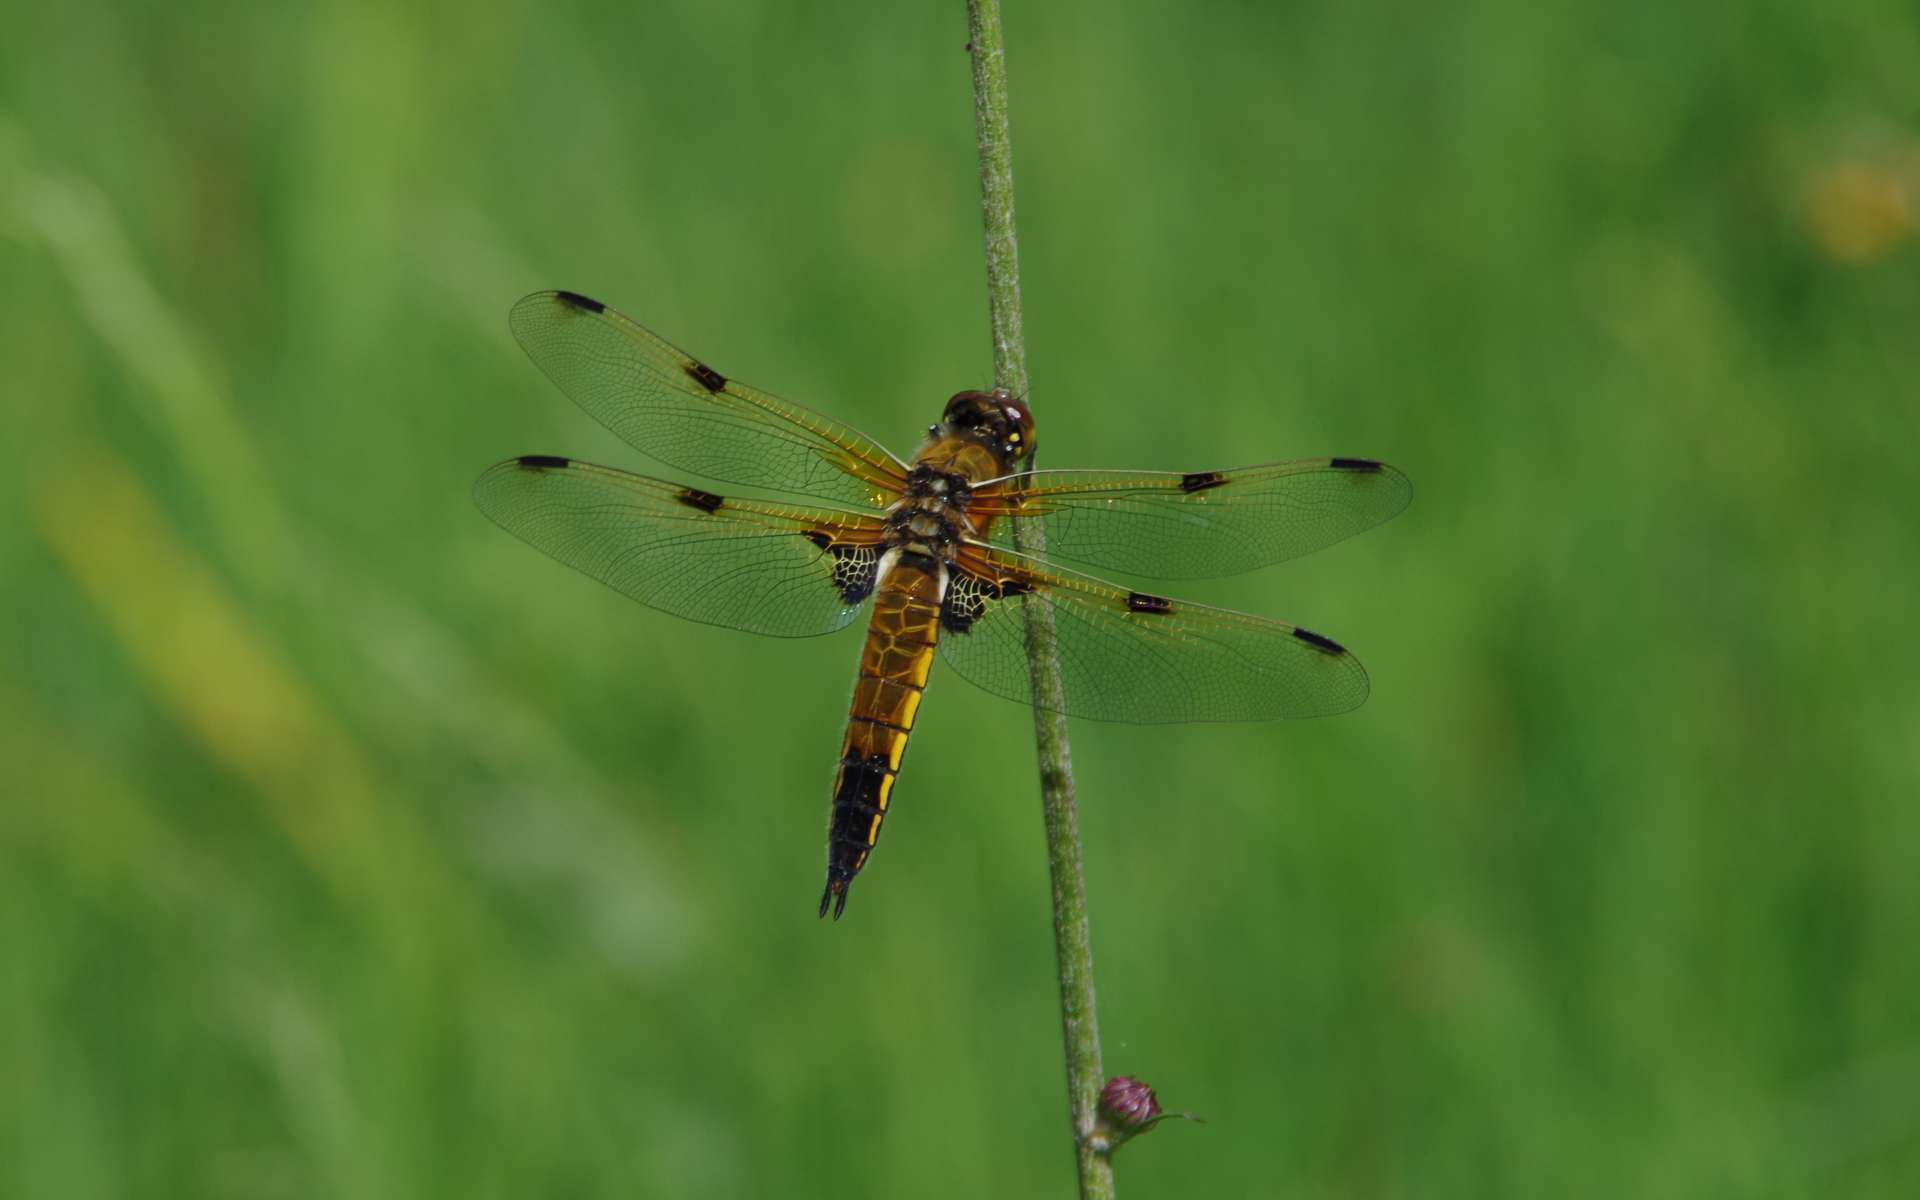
886	697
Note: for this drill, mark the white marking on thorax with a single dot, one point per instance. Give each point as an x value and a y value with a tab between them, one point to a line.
888	561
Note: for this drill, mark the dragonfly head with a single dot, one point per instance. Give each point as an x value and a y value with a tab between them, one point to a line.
997	419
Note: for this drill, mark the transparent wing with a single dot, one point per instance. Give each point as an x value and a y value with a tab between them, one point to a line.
744	564
681	411
1134	656
1197	525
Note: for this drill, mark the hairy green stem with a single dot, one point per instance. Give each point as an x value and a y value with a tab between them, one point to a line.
1079	1019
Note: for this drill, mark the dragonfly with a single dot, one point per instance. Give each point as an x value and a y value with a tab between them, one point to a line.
929	543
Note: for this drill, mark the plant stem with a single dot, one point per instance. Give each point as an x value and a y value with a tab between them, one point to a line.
1079	1019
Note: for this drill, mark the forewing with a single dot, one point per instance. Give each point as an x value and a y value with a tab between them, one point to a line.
1200	524
681	411
744	564
1137	657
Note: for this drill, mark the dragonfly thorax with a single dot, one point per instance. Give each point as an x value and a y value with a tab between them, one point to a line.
930	516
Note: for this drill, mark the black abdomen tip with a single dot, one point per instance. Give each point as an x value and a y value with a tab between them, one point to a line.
576	300
836	894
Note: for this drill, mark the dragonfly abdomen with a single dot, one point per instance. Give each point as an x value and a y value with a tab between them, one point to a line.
886	697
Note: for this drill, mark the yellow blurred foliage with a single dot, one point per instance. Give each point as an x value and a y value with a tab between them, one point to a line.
1858	212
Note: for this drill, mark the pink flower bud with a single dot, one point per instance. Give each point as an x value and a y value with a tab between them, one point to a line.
1128	1102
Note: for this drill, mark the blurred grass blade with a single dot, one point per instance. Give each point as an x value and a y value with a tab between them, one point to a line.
227	685
154	344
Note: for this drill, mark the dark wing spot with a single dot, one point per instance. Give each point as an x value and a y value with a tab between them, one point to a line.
576	300
1142	602
1354	464
968	596
854	570
1200	481
541	461
1318	642
818	538
706	376
965	602
706	502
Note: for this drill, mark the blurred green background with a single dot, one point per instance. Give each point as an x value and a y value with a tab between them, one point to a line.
350	847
